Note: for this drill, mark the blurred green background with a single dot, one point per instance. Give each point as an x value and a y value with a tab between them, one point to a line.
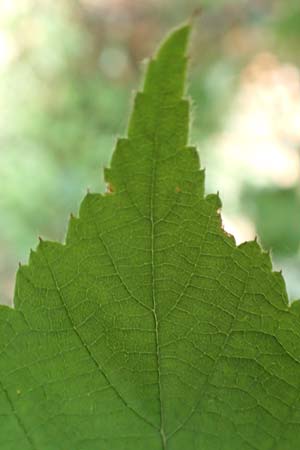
67	74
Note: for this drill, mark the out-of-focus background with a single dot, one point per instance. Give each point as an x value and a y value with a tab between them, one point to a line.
67	72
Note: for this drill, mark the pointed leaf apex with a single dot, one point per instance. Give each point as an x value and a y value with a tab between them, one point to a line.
176	42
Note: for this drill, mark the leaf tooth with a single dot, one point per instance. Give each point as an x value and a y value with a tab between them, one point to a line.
214	200
254	250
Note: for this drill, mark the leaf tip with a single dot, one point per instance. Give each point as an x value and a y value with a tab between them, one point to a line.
176	42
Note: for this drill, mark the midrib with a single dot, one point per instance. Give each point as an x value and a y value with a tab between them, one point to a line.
153	284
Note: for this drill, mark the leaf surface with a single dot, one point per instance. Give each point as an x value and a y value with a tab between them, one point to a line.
149	328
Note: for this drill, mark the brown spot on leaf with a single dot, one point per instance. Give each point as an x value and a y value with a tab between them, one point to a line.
109	188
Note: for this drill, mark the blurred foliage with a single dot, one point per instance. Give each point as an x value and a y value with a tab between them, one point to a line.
67	71
276	213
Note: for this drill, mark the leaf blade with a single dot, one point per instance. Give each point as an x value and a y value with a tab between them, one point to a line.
150	319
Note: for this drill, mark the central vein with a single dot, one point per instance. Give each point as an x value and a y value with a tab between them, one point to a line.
154	300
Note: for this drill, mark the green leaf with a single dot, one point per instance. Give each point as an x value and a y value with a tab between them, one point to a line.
150	329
